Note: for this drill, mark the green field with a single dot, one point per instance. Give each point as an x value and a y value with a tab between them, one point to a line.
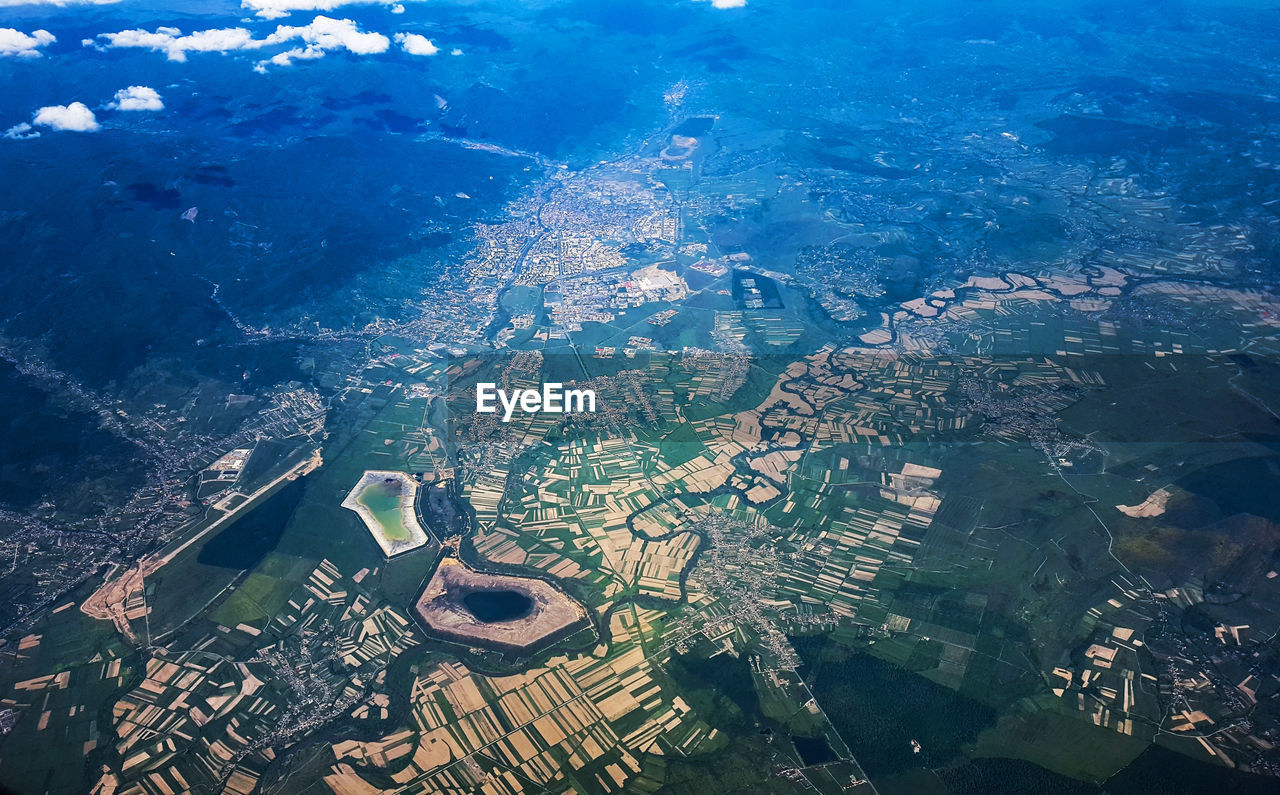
1038	732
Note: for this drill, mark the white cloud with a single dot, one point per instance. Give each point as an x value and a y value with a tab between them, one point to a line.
74	117
287	58
322	35
331	34
23	45
415	44
21	131
728	3
137	98
275	9
172	43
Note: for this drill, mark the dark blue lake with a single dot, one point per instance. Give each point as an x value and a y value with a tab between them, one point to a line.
497	606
